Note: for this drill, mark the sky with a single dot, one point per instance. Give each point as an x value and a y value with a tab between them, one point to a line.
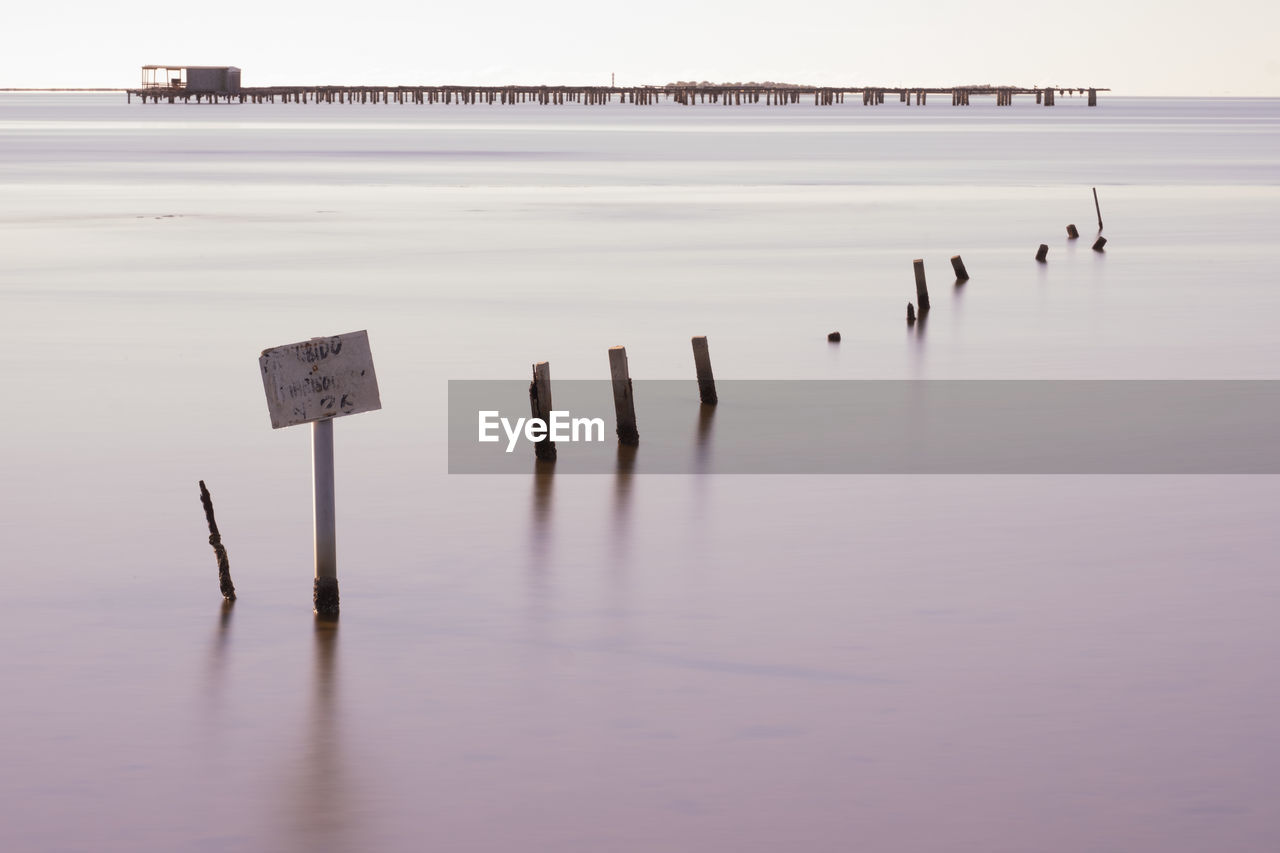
1135	47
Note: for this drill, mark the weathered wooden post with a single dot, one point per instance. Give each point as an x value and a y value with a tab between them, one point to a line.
1042	252
314	382
911	314
1072	233
624	404
544	450
1093	97
958	265
922	290
1097	208
220	553
833	337
702	365
1099	243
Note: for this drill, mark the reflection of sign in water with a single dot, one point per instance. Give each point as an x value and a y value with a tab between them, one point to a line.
320	378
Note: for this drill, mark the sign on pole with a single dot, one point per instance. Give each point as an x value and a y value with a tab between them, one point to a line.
314	382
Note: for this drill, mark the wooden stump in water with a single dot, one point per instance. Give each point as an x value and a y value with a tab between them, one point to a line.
1042	252
958	265
911	314
219	552
540	406
702	365
624	404
1072	232
922	290
1099	244
834	337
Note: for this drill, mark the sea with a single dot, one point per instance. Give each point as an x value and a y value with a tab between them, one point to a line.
627	661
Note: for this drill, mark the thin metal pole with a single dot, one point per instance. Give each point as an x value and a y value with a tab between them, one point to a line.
326	585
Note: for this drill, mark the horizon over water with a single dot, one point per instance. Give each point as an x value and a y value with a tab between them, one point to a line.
624	662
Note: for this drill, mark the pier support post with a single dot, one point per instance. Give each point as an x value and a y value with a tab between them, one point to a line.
702	364
1099	244
1042	253
922	290
958	265
540	407
1072	233
624	405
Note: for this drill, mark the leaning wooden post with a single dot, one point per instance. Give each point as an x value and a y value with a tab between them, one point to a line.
624	405
1072	233
1042	252
314	382
219	552
922	291
1097	208
702	364
540	405
958	265
1099	244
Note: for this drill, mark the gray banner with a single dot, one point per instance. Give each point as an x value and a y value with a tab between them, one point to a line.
890	427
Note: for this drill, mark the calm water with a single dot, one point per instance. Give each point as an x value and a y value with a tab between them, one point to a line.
629	663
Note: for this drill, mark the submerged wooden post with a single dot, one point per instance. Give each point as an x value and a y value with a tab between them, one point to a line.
219	552
1072	233
1042	252
958	265
624	404
540	405
1093	97
833	337
1099	243
911	314
702	364
922	290
1097	208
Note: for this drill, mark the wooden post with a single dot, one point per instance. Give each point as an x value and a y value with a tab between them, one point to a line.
1097	208
833	337
322	499
540	406
958	266
624	405
1093	97
702	364
1042	253
911	314
1072	233
219	552
922	291
1099	243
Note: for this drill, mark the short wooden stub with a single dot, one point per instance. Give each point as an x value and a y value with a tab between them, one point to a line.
702	364
922	290
1099	244
1072	233
624	405
911	314
958	265
833	337
1042	252
219	552
540	406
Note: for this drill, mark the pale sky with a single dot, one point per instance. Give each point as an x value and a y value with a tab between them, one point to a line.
1137	47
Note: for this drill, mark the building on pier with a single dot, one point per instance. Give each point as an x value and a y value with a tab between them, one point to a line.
222	79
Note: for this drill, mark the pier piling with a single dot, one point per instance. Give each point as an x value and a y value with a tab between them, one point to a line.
958	265
624	404
922	290
544	450
1042	252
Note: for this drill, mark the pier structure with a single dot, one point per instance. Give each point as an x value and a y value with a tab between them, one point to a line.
689	95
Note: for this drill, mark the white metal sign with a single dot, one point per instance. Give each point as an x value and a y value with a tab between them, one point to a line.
319	379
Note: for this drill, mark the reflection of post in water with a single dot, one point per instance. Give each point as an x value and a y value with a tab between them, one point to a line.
706	418
622	488
218	653
543	472
322	801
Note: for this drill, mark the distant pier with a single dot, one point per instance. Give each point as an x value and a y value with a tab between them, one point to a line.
726	95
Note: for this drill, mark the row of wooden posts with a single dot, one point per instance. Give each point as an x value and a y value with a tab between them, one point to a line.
596	95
